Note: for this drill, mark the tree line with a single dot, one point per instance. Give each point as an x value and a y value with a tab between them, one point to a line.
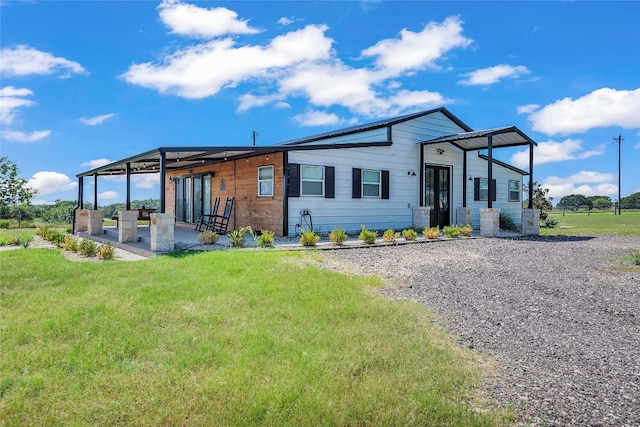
579	201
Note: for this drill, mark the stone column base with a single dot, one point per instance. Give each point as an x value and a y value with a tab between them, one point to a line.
95	223
463	216
490	222
531	222
162	228
82	220
421	217
127	226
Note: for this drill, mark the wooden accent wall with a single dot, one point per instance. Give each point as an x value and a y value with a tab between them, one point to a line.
241	181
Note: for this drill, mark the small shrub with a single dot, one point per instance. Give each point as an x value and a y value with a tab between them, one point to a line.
265	239
338	236
88	248
309	238
15	240
409	234
390	235
465	230
506	222
70	244
431	232
237	237
25	241
208	237
4	223
368	236
550	223
107	251
451	231
634	256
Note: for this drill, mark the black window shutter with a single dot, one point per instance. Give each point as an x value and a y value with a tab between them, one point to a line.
329	182
476	188
356	183
385	184
493	190
294	180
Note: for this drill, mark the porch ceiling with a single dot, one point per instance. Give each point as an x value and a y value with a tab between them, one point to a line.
478	140
176	158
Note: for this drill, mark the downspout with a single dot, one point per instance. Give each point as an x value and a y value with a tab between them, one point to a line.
95	191
421	195
80	203
163	171
490	171
285	196
128	201
530	176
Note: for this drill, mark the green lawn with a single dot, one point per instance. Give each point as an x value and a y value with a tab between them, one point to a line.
221	338
596	223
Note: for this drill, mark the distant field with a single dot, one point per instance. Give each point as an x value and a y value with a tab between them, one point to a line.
595	223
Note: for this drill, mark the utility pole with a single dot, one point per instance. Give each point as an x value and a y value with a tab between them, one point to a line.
619	138
254	134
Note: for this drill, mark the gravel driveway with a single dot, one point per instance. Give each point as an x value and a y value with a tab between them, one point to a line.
562	324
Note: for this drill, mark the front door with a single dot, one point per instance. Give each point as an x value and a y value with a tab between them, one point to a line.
437	194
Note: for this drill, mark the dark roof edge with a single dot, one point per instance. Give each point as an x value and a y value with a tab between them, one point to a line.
503	164
117	162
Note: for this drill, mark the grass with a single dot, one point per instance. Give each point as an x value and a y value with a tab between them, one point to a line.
597	223
221	338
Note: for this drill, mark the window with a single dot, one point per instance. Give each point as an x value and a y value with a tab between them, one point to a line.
370	183
265	181
481	189
312	180
514	190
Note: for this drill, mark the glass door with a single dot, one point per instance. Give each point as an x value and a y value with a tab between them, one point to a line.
437	194
193	197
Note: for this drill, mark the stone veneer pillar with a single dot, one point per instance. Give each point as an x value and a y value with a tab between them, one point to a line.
162	227
463	216
490	222
82	220
127	226
531	222
421	217
95	223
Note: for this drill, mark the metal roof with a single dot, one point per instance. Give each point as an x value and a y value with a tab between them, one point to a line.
509	136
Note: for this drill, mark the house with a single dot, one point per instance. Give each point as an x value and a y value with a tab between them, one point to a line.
418	169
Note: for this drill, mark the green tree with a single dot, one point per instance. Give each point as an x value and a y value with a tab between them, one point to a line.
632	201
13	189
602	203
575	201
541	199
61	212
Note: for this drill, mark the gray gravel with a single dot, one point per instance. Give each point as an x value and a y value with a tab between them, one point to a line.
561	321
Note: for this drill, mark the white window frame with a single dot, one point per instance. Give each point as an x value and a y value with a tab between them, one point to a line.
261	181
303	180
370	183
484	188
519	190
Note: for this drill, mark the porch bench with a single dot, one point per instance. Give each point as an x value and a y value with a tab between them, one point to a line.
143	215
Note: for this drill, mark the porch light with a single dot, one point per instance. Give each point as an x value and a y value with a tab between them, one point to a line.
412	172
470	178
440	151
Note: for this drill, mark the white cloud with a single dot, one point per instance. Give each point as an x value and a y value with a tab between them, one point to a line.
97	120
317	118
587	183
286	21
107	195
303	63
415	51
600	108
47	182
194	21
552	151
526	109
491	75
11	99
195	72
19	136
145	180
24	60
92	164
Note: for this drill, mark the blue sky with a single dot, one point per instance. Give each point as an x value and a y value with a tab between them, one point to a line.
83	83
